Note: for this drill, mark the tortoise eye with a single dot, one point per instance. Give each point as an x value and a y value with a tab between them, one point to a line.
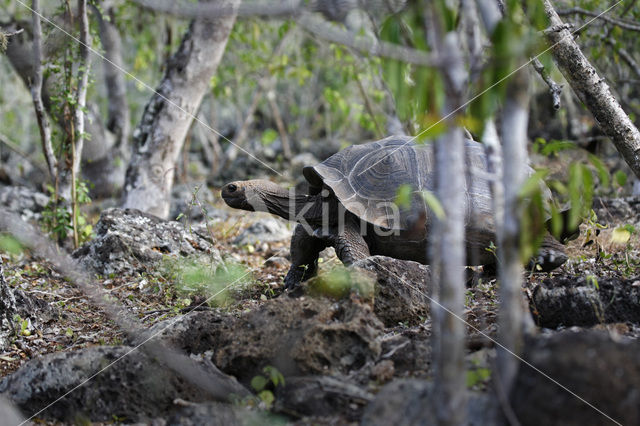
232	187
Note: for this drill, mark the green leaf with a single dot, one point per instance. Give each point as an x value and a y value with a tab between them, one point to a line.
268	136
259	382
10	245
620	178
403	196
603	173
477	376
434	204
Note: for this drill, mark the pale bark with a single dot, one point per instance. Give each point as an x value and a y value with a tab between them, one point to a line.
555	89
167	117
448	244
515	118
36	92
593	91
118	120
98	152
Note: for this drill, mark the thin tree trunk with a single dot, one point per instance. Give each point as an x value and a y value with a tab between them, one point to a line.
448	246
118	121
169	113
593	90
36	92
81	101
515	118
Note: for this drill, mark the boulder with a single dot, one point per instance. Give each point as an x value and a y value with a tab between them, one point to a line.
298	336
28	203
129	241
321	396
570	301
591	366
98	384
410	402
263	230
401	289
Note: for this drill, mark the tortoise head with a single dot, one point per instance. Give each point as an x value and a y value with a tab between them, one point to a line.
235	195
254	195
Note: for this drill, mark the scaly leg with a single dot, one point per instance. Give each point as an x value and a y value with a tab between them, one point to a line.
305	249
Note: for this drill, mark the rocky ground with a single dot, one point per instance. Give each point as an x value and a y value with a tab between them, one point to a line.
211	287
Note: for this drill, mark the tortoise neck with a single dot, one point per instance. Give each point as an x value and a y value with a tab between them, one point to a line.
288	204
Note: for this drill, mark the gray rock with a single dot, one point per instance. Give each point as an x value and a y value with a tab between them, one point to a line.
410	402
600	369
301	161
297	336
266	229
28	203
129	241
135	388
217	414
401	289
320	396
9	414
570	301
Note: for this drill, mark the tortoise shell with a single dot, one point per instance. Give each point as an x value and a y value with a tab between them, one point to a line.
366	179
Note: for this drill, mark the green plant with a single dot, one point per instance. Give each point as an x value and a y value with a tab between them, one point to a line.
272	378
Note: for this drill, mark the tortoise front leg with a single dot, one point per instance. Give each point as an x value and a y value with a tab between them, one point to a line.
350	244
305	249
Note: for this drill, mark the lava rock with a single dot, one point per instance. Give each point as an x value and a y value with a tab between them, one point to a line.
410	402
28	203
570	301
217	414
320	395
401	290
298	336
129	241
135	388
266	229
599	369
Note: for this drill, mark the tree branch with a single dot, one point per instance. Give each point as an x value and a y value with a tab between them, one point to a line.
625	55
627	25
36	92
554	88
305	18
593	91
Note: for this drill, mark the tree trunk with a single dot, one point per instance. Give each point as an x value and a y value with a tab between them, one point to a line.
515	118
167	117
592	90
98	152
448	246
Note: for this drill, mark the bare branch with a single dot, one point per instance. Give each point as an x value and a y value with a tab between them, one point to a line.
554	88
627	25
36	92
625	55
307	20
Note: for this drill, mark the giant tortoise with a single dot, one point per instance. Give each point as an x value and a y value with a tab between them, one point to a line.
351	206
